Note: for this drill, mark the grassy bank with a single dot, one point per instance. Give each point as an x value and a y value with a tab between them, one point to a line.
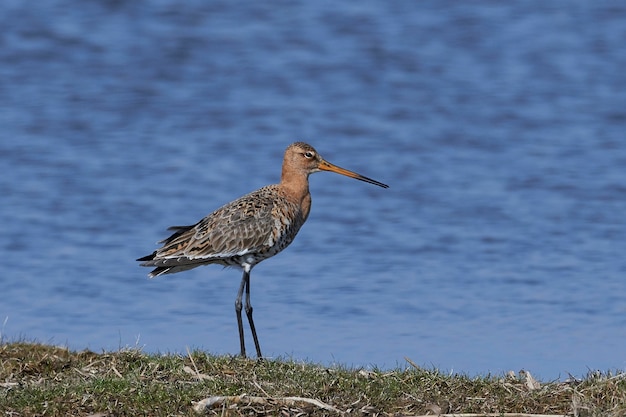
45	380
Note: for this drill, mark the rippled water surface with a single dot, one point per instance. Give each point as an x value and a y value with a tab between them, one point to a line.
499	127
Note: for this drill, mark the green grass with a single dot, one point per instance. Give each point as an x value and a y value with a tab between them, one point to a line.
44	380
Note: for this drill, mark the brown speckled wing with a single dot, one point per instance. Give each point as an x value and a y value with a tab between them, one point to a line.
242	226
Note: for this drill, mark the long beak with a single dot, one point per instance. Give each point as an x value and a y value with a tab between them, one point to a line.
327	166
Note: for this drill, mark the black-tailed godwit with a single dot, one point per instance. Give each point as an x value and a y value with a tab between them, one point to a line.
250	229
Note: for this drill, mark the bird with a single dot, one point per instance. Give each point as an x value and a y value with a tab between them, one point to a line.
248	230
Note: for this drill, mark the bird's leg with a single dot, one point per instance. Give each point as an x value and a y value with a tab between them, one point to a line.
249	314
244	280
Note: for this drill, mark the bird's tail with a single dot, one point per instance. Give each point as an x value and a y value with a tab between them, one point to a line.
152	259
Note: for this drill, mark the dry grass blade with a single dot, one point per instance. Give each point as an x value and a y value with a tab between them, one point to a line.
219	401
413	364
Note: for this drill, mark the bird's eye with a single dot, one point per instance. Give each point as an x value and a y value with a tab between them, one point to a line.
308	155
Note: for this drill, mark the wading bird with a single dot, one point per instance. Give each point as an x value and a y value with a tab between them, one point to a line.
250	229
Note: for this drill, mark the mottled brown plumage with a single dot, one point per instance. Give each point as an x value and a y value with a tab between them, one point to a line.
250	229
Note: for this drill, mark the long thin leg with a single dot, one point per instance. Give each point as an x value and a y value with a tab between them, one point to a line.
244	280
249	314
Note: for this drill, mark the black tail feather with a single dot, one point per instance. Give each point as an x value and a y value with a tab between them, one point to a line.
148	257
158	271
178	230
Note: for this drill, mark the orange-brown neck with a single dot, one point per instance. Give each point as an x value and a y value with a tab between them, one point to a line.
295	180
294	183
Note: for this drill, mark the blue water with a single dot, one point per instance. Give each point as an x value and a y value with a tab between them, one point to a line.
498	125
